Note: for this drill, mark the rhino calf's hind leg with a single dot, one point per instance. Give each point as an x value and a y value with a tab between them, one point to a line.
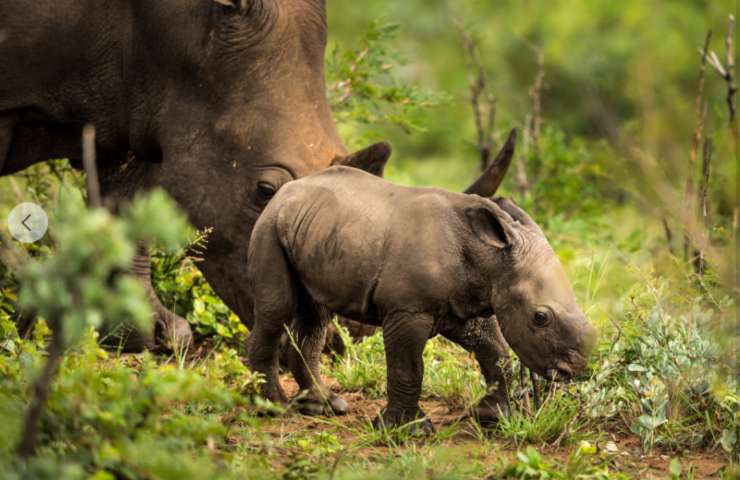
483	338
304	357
275	290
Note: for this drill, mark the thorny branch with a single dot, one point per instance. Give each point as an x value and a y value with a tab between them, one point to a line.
532	124
41	387
703	195
727	72
482	100
701	114
346	84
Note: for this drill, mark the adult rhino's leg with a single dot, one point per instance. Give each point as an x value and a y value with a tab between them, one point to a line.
169	329
120	180
308	334
357	330
7	125
482	337
404	336
24	144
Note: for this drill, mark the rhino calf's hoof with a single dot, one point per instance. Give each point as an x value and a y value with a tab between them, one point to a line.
490	411
311	403
417	423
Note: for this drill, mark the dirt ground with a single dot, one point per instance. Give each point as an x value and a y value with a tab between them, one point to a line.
628	458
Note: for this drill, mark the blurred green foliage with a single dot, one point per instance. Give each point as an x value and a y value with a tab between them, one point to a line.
618	122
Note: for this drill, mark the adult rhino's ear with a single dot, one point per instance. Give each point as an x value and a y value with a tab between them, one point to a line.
489	181
371	159
489	225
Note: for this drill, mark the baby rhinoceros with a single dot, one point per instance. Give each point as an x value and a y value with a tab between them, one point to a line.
418	262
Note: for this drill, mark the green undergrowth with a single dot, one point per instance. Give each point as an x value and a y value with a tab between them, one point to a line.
654	377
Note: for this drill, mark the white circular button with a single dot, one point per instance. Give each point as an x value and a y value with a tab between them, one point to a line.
27	222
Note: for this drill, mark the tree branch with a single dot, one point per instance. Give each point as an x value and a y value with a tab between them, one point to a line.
41	387
698	132
482	101
703	199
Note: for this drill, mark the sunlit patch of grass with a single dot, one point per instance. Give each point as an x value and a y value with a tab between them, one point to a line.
362	367
451	375
557	417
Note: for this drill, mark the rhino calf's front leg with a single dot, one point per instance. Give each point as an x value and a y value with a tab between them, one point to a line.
405	334
482	337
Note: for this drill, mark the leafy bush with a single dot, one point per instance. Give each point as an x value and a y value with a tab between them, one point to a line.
131	417
659	374
365	91
184	290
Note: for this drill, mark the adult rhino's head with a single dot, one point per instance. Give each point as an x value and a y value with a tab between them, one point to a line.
231	94
532	297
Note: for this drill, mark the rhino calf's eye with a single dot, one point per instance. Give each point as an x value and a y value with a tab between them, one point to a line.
541	319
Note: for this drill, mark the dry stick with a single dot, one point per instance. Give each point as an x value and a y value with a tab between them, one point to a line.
535	389
41	387
478	95
532	125
88	161
727	73
703	195
700	113
535	93
522	182
525	391
731	86
668	234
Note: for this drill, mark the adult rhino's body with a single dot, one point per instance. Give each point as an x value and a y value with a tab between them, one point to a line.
218	102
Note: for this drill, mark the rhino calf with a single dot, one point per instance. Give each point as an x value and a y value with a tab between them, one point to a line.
418	262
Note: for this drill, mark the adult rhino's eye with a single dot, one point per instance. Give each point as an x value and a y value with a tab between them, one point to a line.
265	191
541	319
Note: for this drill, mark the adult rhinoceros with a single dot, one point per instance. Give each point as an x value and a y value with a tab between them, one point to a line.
220	102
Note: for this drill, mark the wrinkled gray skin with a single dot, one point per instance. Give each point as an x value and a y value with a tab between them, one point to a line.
418	262
218	102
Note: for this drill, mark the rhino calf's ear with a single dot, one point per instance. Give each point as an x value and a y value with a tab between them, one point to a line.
488	227
371	159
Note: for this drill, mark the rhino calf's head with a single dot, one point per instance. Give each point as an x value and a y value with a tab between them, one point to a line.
531	297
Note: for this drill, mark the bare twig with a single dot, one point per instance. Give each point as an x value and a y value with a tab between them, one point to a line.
698	132
524	390
731	86
482	101
532	125
668	234
727	72
535	389
91	170
41	387
703	196
535	94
